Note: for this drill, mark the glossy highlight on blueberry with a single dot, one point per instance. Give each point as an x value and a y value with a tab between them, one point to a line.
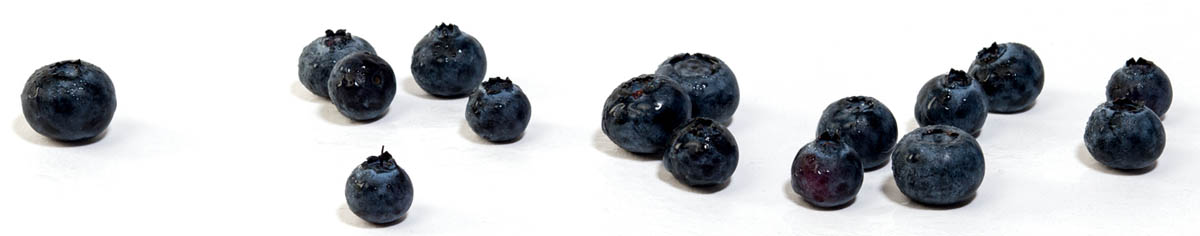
702	153
1010	74
864	124
498	111
708	81
378	190
938	165
641	114
826	172
362	86
448	62
319	57
1144	82
1124	134
69	101
952	99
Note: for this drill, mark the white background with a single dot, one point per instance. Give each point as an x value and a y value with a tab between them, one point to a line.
214	134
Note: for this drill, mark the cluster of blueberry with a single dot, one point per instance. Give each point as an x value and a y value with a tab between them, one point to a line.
938	164
680	112
446	63
346	69
1125	132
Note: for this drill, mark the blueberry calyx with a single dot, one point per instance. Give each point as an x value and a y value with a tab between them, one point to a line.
938	135
956	79
1139	66
68	69
990	53
1139	62
332	37
1124	104
859	104
641	84
829	136
696	61
446	31
380	163
496	85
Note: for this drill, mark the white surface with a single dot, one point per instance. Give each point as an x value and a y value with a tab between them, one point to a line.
214	135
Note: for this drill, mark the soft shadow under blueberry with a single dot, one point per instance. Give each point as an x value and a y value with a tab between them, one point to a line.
349	218
1085	157
666	177
302	93
22	129
893	193
603	144
796	198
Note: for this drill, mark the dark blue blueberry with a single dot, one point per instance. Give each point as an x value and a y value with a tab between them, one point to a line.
1142	81
69	100
826	172
709	82
318	58
702	153
938	165
864	124
448	62
952	99
362	86
498	110
1124	134
641	114
378	190
1011	75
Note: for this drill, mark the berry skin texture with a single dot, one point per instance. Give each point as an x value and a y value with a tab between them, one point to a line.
498	110
826	172
379	191
362	86
641	114
1142	81
319	57
1011	75
864	124
708	81
703	153
1125	135
69	101
448	63
938	165
952	99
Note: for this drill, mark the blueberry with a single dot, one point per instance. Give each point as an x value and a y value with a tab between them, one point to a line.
952	99
865	124
641	114
318	58
69	100
1011	75
498	110
938	165
708	81
702	153
1142	81
827	172
362	86
448	62
378	190
1124	134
